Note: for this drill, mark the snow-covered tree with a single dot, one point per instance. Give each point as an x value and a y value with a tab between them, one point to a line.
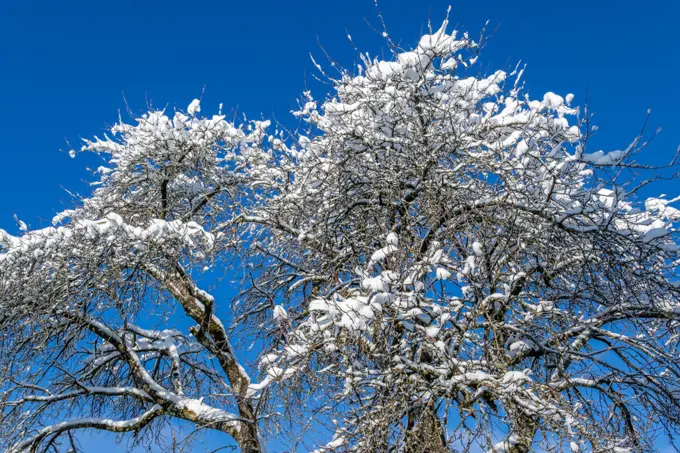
434	261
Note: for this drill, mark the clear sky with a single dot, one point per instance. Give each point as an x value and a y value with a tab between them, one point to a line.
67	68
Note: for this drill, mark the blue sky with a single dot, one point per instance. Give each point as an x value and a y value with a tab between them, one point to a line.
67	68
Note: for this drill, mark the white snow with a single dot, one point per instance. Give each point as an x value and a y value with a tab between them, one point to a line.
392	239
194	107
442	274
280	314
477	248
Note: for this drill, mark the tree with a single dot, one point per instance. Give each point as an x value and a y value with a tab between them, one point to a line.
432	261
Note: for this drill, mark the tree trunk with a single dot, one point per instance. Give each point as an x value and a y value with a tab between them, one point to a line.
425	432
525	430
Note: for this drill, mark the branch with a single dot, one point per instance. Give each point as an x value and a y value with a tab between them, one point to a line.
57	429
